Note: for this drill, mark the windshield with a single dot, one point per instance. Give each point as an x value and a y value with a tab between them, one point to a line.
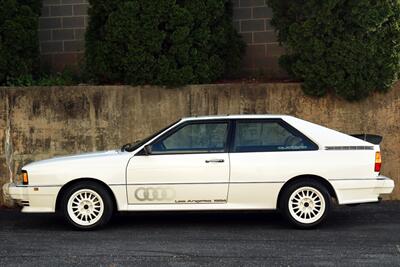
135	145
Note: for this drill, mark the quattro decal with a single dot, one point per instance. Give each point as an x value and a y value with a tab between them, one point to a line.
159	194
155	194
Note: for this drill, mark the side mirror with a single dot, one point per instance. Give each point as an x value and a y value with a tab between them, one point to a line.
147	149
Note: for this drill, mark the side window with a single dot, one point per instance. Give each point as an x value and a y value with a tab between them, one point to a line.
268	136
194	138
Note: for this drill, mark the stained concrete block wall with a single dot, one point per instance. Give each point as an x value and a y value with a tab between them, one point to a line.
62	32
45	122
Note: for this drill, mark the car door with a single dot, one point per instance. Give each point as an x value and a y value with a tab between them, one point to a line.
187	165
264	154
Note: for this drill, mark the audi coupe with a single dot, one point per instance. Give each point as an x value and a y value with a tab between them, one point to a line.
234	162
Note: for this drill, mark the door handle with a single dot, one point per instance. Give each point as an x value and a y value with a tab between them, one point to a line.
215	160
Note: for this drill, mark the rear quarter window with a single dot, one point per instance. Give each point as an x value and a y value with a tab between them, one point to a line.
261	136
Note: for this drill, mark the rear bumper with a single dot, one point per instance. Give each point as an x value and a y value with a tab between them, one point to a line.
32	199
352	191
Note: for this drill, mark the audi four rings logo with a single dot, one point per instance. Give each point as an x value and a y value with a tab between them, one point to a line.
154	194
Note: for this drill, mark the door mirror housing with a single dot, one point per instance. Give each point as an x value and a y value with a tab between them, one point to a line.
147	150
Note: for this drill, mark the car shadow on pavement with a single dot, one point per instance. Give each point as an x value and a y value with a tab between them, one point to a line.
341	217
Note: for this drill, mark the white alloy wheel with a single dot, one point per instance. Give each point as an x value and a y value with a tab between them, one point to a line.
306	205
85	207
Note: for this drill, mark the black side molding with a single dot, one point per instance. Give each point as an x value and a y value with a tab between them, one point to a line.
371	138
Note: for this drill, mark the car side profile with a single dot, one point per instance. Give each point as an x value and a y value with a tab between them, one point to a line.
234	162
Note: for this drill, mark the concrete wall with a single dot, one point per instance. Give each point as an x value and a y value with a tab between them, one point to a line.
37	123
63	24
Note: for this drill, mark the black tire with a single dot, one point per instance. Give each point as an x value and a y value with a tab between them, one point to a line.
300	186
104	215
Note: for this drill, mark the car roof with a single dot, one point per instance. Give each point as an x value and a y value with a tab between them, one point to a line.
236	116
321	135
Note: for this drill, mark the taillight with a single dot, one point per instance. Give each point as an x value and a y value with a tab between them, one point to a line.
25	179
378	161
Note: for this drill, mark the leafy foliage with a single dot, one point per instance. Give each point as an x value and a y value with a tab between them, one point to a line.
66	78
167	42
349	46
19	44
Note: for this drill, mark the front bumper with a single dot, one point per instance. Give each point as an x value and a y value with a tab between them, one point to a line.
6	191
32	199
353	191
15	193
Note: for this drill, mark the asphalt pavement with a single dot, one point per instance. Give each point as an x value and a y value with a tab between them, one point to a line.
365	235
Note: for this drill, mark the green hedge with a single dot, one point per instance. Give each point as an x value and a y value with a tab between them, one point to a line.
167	42
19	42
349	46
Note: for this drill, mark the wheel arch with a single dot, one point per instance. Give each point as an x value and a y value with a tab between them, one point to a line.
80	180
316	178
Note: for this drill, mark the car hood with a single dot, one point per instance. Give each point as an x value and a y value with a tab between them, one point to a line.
106	166
74	158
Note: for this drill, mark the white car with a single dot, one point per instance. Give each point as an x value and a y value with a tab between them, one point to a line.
235	162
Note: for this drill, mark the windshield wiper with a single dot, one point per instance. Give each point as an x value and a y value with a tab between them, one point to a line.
130	146
125	147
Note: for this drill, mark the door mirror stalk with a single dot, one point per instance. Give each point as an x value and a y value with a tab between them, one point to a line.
147	150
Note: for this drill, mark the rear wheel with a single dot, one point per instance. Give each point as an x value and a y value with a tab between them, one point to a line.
305	203
87	205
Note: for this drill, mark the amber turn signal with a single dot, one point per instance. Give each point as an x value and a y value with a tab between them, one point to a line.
378	161
25	180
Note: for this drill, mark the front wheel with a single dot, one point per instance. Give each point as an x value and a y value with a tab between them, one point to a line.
305	203
87	206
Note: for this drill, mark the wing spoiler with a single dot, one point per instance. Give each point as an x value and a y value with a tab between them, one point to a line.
371	138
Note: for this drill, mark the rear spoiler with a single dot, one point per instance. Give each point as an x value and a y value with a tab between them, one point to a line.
371	138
